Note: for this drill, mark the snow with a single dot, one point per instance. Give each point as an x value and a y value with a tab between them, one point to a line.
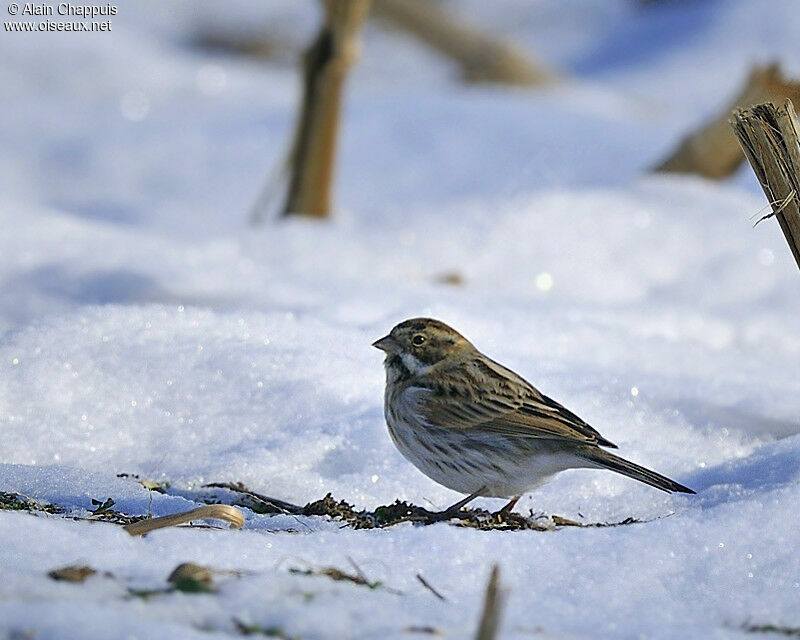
148	330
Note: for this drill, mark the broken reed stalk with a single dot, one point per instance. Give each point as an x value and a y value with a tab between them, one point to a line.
493	605
482	57
313	150
215	511
769	138
711	151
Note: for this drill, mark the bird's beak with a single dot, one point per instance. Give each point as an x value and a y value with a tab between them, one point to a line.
387	344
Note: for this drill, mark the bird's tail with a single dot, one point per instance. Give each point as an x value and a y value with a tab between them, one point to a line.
607	460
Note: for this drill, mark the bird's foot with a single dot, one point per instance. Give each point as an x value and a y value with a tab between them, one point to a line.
507	509
453	510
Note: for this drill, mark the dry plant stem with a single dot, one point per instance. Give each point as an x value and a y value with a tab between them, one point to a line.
769	137
711	151
482	57
325	66
493	605
280	506
430	588
215	511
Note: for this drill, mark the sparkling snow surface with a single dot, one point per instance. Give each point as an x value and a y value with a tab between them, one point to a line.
146	329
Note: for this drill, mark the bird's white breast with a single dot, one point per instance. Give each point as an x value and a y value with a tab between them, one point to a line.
466	462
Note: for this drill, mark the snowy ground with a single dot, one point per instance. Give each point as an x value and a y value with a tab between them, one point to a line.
147	329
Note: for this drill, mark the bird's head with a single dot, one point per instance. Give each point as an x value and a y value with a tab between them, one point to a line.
420	343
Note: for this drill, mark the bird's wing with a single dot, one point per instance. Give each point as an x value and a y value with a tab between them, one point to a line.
496	400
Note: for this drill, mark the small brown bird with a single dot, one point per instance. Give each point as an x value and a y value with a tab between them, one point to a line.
478	428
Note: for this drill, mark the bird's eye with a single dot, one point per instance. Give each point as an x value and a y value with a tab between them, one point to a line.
418	339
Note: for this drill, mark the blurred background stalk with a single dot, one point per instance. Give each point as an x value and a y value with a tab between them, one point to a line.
769	138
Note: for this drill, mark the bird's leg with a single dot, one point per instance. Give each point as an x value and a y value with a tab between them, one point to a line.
507	509
453	509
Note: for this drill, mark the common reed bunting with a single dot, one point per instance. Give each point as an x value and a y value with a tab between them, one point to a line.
478	428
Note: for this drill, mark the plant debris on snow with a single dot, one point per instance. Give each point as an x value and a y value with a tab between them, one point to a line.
338	575
774	629
381	517
72	573
15	502
400	511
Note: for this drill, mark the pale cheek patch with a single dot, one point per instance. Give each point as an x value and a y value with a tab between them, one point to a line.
414	364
